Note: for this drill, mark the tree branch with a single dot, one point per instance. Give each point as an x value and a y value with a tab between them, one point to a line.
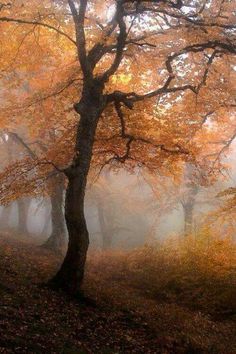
37	23
15	137
79	18
219	47
121	39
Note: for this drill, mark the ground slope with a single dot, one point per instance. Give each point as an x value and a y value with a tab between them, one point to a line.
122	319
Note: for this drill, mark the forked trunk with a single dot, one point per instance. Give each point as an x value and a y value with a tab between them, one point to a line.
71	274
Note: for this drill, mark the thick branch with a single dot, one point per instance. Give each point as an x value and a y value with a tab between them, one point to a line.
219	47
188	19
31	153
79	18
131	138
121	39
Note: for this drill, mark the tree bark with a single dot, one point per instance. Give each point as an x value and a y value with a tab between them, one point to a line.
71	274
57	239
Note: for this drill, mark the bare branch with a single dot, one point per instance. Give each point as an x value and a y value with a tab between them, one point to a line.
21	142
219	47
37	23
31	153
181	17
131	138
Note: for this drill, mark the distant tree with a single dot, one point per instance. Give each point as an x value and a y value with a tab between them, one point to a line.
5	217
23	205
57	239
54	186
117	211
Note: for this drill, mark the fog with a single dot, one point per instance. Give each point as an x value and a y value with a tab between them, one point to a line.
122	210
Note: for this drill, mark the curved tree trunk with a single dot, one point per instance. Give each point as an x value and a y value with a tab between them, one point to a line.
71	274
57	239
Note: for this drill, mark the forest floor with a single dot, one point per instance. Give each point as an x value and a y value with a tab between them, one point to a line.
125	317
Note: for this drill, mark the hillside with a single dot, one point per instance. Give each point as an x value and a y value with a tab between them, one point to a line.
121	316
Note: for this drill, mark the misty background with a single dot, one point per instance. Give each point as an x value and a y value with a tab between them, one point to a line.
123	210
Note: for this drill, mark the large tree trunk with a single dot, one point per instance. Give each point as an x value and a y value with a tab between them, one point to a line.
71	274
57	239
23	205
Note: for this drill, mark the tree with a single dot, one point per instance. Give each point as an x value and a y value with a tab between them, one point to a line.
117	209
57	238
188	198
5	217
6	211
55	186
212	134
23	205
182	40
101	194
